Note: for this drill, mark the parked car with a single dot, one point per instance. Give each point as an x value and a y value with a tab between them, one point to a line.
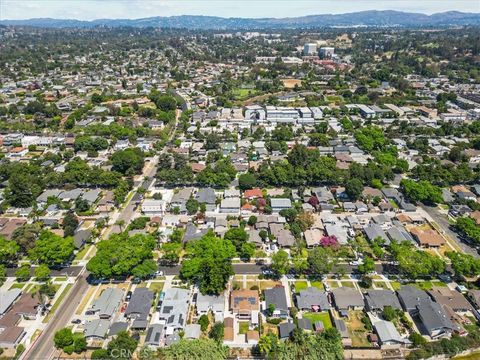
128	296
76	321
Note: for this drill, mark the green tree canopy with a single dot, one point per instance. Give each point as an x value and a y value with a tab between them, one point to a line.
209	263
52	249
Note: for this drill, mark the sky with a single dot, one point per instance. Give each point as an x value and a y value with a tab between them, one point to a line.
131	9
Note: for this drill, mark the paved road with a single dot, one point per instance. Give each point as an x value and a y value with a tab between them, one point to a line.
253	269
43	348
69	271
442	221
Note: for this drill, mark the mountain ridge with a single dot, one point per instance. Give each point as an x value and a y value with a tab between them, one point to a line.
370	18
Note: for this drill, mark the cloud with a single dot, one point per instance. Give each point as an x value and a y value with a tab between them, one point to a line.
97	9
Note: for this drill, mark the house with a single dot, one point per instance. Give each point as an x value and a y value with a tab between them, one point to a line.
140	304
215	304
279	204
180	198
245	304
411	296
152	207
285	330
434	320
96	329
207	196
7	298
230	205
285	238
107	303
252	194
427	238
11	336
312	237
155	335
347	298
376	300
80	237
374	231
474	295
174	309
313	299
117	327
452	298
399	234
388	335
254	237
277	297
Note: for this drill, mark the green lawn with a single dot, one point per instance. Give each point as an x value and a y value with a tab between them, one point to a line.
156	286
17	286
349	284
57	303
243	327
428	285
381	284
396	285
317	284
300	285
81	254
322	316
60	279
242	93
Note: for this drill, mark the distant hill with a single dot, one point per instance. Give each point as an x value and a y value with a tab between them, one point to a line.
364	18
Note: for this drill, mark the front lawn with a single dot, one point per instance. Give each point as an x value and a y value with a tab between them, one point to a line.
317	284
300	285
324	317
243	327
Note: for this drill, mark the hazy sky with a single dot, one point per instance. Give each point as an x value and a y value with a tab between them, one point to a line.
98	9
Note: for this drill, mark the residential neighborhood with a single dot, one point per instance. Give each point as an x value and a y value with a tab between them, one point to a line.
284	193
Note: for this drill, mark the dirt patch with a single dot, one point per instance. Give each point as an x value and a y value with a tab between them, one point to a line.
290	83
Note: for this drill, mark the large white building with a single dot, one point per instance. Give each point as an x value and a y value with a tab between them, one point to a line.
327	52
310	49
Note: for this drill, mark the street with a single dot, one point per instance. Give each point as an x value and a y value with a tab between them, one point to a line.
442	221
43	347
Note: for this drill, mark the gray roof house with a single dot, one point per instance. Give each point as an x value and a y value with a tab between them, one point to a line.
277	297
313	299
388	334
285	329
174	308
7	298
107	303
91	195
140	304
348	298
376	300
116	327
215	304
373	231
411	296
96	329
399	234
207	196
155	334
285	238
279	204
230	205
80	237
434	320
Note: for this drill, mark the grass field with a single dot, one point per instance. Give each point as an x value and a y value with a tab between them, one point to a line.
324	317
300	285
317	284
243	327
473	356
156	286
243	93
17	286
261	284
57	303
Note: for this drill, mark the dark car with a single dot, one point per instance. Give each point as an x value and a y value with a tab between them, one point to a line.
76	321
128	296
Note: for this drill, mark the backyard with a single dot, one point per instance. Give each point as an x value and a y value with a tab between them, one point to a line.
356	329
324	317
